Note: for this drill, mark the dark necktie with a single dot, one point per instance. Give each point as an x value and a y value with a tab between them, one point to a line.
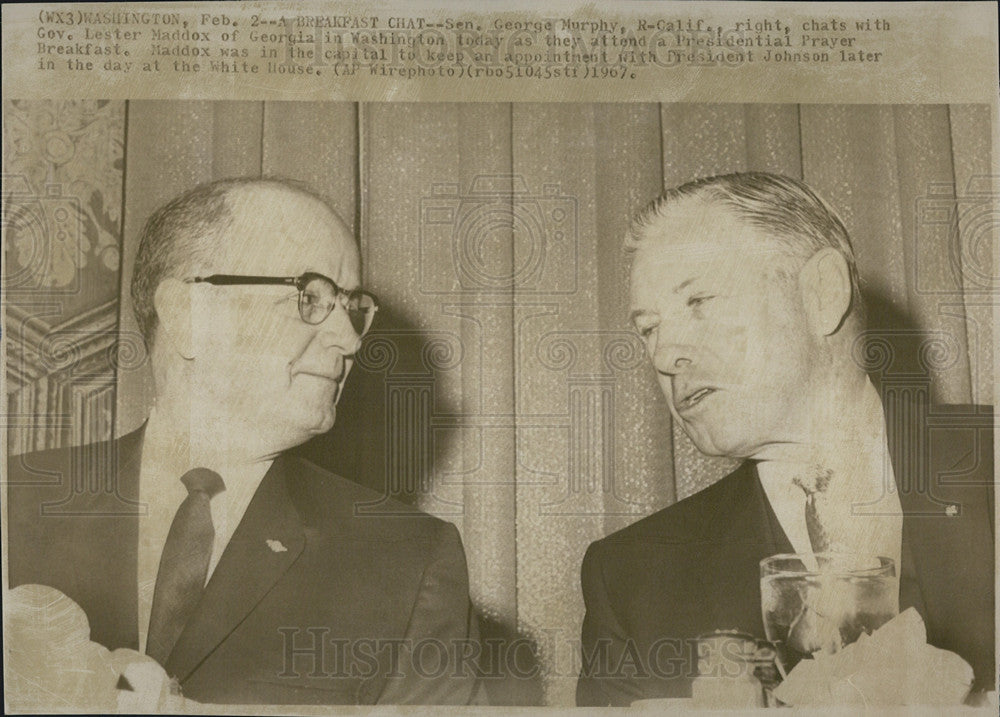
180	578
815	483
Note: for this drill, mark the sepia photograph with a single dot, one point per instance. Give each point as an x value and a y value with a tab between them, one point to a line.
473	403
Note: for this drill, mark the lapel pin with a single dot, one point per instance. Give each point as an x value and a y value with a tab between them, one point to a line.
276	546
951	511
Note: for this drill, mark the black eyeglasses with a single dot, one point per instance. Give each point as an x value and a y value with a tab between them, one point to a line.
318	295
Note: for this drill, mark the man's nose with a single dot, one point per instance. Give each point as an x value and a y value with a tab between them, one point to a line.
337	332
672	357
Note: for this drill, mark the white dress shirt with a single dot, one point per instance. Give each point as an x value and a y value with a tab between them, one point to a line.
164	460
865	513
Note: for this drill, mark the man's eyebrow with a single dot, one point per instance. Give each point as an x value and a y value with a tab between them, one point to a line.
684	284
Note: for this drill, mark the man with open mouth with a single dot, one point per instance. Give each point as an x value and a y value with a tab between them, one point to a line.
745	291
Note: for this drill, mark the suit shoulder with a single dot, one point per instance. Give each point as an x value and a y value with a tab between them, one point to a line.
331	502
38	464
85	473
38	469
681	522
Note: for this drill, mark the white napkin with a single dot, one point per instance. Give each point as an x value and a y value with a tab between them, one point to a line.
52	665
894	666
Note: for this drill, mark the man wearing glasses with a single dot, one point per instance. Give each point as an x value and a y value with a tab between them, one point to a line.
248	573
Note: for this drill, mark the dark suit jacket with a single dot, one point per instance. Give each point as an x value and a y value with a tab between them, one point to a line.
692	568
333	618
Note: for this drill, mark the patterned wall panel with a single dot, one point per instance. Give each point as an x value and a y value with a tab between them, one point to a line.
62	195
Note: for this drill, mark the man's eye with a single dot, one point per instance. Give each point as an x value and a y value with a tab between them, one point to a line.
698	300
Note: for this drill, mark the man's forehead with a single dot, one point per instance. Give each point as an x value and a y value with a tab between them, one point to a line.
694	223
279	205
696	232
285	229
699	247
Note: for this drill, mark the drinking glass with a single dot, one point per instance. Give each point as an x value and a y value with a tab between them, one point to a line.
820	602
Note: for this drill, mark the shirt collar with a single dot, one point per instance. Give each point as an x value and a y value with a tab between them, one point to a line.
165	458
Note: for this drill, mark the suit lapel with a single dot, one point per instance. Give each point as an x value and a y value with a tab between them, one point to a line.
248	569
735	539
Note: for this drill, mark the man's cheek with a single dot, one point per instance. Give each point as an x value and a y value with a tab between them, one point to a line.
259	337
731	350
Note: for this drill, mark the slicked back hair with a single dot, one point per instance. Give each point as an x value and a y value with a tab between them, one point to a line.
785	209
184	234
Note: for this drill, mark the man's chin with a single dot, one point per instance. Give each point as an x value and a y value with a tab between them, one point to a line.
325	422
717	446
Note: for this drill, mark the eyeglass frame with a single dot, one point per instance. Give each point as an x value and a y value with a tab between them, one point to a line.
299	282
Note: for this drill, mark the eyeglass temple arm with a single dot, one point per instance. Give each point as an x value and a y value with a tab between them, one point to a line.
241	279
234	279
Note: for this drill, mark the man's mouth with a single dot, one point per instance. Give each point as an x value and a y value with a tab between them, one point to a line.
693	399
334	380
328	377
332	372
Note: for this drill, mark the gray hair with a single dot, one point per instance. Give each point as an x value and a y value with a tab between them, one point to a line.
183	235
794	216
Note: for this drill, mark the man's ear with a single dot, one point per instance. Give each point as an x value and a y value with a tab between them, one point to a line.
172	302
825	282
